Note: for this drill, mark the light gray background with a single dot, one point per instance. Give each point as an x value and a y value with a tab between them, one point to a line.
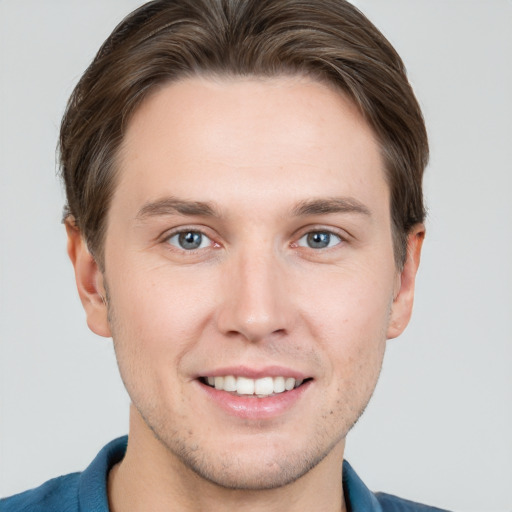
439	428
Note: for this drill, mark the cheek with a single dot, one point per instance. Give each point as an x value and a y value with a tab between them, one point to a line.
347	313
156	319
160	305
348	300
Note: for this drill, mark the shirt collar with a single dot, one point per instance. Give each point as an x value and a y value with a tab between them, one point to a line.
92	491
358	497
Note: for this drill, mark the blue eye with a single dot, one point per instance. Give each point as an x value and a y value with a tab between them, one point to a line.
189	240
319	240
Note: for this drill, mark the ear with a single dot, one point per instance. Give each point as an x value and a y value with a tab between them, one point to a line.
401	309
89	281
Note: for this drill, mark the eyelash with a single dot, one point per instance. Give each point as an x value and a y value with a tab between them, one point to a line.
212	244
320	236
169	236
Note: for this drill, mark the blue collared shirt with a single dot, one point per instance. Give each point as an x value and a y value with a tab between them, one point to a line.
87	491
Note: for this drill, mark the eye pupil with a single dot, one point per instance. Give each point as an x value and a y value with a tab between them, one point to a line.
190	240
318	240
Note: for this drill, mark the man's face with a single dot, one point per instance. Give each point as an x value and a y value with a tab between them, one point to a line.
249	244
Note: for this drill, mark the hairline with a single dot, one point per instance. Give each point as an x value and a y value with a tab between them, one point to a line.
219	76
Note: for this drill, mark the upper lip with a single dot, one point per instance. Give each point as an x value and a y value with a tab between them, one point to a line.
255	373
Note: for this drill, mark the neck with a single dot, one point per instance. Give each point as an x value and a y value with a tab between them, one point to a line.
150	477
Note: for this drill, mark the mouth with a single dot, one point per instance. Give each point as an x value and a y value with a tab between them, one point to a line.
263	387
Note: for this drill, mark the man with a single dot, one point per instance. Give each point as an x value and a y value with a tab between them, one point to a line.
245	219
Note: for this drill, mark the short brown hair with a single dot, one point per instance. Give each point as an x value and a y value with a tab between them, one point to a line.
166	40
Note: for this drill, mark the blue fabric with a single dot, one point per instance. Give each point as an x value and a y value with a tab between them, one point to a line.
87	491
77	492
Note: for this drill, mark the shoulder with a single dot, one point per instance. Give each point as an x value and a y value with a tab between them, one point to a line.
58	495
390	503
360	499
74	492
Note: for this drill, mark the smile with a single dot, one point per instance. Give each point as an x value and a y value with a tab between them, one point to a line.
259	388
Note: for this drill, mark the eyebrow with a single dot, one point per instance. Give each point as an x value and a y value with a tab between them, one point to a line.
171	205
330	205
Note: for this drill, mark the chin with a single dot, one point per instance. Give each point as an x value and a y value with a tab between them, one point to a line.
264	466
237	473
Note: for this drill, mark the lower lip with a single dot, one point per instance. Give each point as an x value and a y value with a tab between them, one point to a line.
252	407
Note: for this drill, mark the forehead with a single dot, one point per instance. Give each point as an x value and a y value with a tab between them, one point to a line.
282	137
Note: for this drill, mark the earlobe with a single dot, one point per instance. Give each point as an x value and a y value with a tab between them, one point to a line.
89	281
401	309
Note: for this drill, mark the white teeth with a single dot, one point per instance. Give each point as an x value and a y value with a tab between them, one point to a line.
219	382
244	386
279	385
263	387
289	384
230	383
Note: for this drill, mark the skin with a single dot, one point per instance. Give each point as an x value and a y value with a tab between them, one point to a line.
254	295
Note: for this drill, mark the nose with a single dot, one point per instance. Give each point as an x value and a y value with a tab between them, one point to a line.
255	304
